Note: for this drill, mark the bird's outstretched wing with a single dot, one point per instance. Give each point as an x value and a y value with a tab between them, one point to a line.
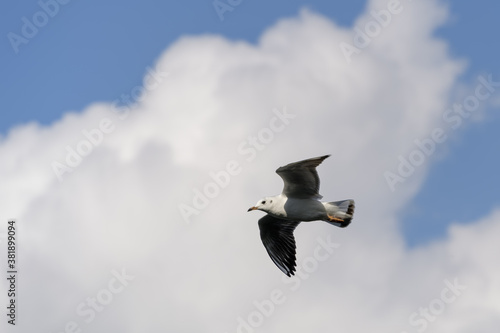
277	237
301	178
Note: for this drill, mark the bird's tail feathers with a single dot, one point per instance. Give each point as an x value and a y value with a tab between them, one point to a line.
340	212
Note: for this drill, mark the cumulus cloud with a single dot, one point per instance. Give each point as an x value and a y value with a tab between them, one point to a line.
109	247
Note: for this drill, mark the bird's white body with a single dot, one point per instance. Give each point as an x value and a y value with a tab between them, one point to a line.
304	210
297	209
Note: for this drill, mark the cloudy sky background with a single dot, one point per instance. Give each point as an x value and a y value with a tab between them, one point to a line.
209	87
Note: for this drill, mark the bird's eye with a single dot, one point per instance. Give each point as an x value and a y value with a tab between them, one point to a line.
263	202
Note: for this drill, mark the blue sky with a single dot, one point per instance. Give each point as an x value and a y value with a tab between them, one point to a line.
93	51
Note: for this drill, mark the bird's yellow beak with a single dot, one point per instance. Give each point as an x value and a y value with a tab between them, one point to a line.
251	208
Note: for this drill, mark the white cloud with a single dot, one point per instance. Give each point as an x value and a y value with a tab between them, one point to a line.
119	207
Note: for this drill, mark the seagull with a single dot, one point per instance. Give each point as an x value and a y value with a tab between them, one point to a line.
298	202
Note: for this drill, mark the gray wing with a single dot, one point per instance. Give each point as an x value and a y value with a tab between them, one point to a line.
277	237
301	178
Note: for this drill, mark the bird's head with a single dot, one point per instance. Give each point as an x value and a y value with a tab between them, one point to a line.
263	204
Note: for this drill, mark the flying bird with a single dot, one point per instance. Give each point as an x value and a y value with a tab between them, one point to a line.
298	202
